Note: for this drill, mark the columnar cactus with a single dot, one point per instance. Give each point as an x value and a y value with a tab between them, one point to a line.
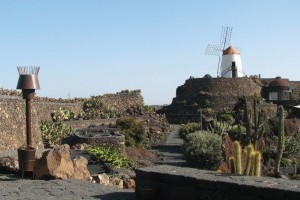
257	168
249	150
248	127
258	120
232	165
280	146
252	158
238	157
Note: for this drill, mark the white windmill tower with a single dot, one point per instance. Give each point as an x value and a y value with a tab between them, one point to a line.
230	62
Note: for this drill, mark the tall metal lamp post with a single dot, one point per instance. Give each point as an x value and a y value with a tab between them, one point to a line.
28	83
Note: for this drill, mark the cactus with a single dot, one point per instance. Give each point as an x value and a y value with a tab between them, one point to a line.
252	158
249	151
259	122
257	168
238	157
248	128
252	168
280	146
232	165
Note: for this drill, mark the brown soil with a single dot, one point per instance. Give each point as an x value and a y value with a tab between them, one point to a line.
141	157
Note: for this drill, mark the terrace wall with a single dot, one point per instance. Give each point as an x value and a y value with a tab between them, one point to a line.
215	93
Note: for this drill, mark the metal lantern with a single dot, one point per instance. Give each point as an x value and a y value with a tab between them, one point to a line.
28	83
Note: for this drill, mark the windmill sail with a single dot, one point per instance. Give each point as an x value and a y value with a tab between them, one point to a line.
217	49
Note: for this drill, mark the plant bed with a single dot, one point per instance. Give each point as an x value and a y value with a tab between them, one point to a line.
100	136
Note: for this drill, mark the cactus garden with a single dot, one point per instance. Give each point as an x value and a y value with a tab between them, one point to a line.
250	140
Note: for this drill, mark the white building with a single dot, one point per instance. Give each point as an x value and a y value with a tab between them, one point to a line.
231	65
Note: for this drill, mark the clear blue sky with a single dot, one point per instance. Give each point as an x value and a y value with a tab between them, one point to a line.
92	47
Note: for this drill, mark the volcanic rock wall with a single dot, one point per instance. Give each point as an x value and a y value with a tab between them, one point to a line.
219	87
123	100
216	93
12	124
12	114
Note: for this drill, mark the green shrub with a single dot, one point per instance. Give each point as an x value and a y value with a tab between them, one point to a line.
206	103
208	112
108	155
188	128
203	149
292	146
133	130
225	117
148	108
53	133
220	127
236	129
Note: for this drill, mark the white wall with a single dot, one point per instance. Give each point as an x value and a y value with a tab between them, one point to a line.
226	65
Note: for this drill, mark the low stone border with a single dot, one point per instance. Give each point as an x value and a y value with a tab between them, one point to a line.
177	183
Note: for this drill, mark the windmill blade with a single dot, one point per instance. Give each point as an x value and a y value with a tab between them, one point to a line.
213	49
225	36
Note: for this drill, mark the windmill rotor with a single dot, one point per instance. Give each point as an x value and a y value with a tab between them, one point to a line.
217	49
213	49
225	36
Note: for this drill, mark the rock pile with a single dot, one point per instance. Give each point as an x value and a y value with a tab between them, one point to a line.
156	125
57	163
121	181
9	164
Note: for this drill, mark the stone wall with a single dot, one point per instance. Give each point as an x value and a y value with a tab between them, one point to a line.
220	87
215	93
295	86
168	182
123	100
44	109
80	124
115	141
12	114
13	125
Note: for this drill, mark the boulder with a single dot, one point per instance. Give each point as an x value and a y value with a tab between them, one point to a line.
129	183
80	168
57	163
116	182
102	179
9	164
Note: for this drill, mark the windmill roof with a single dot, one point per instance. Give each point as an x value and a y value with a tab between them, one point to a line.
230	50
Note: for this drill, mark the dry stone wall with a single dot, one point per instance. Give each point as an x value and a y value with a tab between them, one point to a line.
13	127
12	114
123	100
44	109
220	87
216	93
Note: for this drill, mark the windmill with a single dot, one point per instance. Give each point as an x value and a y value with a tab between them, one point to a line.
217	49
